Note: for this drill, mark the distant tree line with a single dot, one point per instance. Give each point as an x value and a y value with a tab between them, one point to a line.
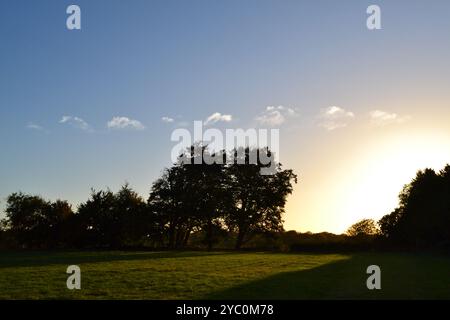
212	200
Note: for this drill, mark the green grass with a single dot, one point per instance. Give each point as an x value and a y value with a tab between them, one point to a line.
222	275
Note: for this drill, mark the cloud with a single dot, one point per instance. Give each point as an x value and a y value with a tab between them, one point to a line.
382	118
33	126
334	117
76	122
167	119
275	116
217	116
125	123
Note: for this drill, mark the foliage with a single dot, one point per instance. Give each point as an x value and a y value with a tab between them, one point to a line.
35	222
363	227
258	200
423	216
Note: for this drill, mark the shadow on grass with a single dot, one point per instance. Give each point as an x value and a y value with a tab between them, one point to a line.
45	258
344	279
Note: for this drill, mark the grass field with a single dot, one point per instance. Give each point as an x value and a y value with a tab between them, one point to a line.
222	275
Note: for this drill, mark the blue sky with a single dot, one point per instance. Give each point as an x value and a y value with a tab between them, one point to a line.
187	60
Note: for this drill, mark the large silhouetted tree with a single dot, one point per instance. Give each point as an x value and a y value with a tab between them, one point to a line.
208	190
258	199
191	195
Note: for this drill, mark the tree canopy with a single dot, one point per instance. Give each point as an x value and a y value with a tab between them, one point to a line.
365	227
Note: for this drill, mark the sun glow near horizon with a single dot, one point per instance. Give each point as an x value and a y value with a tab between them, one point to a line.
369	186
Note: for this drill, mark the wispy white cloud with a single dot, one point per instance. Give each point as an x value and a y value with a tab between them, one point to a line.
167	119
125	123
382	118
218	117
33	126
36	127
335	117
275	115
76	122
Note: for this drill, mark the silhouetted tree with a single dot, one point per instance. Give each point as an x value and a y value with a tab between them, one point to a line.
423	216
190	196
363	227
389	223
207	188
258	200
98	222
60	217
35	222
115	220
138	223
167	199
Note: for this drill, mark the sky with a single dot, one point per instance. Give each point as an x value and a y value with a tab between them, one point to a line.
359	110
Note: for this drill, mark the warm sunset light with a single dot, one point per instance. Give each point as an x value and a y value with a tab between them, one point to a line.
206	152
390	165
368	187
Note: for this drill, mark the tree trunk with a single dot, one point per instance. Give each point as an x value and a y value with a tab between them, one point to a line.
240	239
171	234
186	237
209	235
179	237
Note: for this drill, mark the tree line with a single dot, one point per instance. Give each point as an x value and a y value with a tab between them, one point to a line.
209	204
190	197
